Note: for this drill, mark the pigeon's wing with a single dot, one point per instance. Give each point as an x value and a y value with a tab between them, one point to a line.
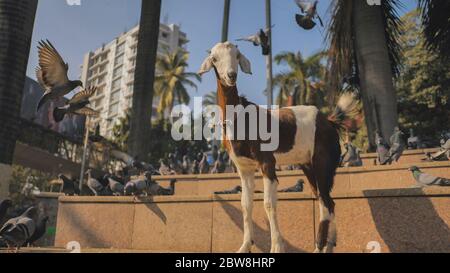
254	39
303	5
54	69
40	78
320	20
427	179
83	95
11	223
86	111
446	144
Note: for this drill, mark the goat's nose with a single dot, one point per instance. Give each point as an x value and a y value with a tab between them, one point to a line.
232	75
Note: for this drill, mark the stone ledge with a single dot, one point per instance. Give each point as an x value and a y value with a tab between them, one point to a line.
342	170
401	192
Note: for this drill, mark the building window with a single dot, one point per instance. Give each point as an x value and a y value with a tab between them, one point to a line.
164	35
115	96
120	49
114	109
119	60
117	72
130	88
116	84
98	103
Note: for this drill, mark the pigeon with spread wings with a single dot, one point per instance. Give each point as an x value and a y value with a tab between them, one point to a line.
77	105
309	10
260	39
52	74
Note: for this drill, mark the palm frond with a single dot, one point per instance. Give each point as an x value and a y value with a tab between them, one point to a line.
436	22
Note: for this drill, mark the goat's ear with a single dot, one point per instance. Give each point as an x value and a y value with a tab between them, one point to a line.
206	66
245	64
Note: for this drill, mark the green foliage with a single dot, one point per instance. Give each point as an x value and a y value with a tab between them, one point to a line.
172	79
20	175
121	132
424	84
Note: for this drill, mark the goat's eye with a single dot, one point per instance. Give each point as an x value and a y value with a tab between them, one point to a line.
213	59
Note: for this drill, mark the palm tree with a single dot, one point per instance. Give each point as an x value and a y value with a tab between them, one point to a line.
17	21
171	81
141	113
298	80
210	99
364	41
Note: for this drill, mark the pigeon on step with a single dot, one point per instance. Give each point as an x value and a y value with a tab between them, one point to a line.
426	180
382	150
16	231
69	188
298	187
156	189
116	187
4	206
235	190
138	186
397	145
52	74
204	165
77	105
94	185
41	228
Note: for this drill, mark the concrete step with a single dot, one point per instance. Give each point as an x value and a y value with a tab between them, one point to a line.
397	220
347	179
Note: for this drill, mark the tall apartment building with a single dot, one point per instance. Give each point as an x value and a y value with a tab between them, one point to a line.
111	69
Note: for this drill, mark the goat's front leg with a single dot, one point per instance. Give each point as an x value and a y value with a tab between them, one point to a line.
270	203
248	188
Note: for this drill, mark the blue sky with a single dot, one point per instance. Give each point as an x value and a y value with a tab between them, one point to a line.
75	30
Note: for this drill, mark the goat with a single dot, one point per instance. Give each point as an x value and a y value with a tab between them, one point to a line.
307	137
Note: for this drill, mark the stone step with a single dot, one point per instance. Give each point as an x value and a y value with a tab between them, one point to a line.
396	220
347	179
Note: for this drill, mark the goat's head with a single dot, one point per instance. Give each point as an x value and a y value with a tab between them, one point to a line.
225	59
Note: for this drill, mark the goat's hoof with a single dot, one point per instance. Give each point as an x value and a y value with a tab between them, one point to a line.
277	248
245	248
317	250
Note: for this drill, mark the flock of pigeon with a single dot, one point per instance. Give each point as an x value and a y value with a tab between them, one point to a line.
111	185
52	76
23	230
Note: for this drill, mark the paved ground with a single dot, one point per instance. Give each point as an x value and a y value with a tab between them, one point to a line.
61	250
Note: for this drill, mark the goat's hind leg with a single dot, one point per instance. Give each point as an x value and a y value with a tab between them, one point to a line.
327	234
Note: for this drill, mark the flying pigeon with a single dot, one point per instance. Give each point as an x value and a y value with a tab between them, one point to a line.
52	74
425	180
4	205
16	231
94	185
298	187
397	145
138	186
382	150
69	188
77	105
41	228
260	39
309	10
116	187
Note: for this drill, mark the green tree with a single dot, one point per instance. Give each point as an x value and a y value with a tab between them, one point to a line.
121	132
424	83
302	80
210	99
172	79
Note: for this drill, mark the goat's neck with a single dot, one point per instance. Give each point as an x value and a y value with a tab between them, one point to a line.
226	95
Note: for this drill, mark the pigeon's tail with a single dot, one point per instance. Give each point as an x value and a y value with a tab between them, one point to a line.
347	114
43	100
265	50
59	113
445	182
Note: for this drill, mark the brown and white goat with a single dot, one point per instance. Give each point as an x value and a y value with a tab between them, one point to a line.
307	137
